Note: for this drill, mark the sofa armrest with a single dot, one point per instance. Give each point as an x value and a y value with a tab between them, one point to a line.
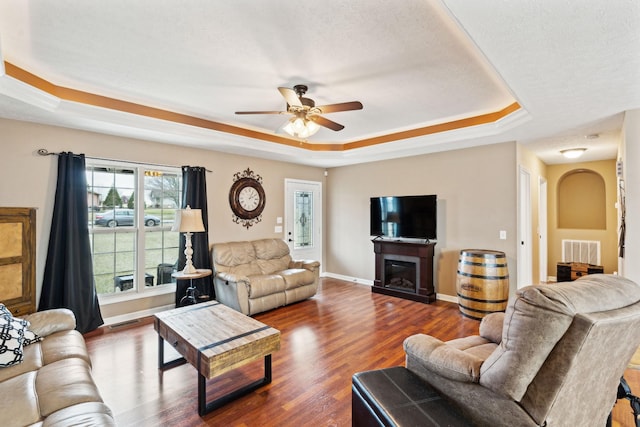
305	263
443	359
47	322
491	327
232	290
230	277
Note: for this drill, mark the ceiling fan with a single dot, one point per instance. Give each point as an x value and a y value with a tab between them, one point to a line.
307	118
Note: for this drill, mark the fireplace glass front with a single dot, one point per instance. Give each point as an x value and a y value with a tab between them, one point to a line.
400	275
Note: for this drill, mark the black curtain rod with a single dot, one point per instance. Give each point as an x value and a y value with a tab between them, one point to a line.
45	152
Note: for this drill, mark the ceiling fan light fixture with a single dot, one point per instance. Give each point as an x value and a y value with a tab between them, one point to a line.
300	127
573	153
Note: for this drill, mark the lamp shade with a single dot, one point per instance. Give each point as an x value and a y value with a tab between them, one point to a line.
188	221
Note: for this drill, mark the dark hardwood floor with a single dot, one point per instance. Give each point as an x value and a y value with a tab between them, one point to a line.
342	330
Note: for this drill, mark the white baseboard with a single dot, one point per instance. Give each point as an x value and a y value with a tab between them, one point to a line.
348	278
442	297
447	298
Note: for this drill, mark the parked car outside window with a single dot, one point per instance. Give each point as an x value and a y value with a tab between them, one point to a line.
123	217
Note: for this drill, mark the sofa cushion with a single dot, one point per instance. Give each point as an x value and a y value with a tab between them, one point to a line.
272	255
82	414
19	403
64	345
265	284
270	248
65	383
236	258
296	277
272	266
459	360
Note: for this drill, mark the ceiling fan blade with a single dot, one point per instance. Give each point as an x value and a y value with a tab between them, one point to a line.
290	96
326	123
261	112
343	106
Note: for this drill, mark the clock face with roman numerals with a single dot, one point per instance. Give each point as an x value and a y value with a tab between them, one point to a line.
247	201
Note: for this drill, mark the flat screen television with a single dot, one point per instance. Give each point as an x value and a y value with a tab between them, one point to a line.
411	217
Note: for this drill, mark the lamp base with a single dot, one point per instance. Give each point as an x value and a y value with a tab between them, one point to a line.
189	269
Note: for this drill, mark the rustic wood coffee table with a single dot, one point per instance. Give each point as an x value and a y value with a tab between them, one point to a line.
215	339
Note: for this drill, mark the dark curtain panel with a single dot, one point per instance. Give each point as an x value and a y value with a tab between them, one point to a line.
68	273
194	194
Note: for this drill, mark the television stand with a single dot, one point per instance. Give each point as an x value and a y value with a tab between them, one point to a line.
404	270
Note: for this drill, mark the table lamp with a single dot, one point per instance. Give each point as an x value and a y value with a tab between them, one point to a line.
188	221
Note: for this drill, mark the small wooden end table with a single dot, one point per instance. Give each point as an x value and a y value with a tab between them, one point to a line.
190	297
215	339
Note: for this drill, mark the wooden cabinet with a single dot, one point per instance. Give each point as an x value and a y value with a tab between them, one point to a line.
568	271
18	259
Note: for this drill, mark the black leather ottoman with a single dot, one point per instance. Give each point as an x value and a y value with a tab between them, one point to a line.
397	397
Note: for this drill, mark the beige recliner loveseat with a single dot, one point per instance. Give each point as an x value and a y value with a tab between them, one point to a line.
259	275
555	358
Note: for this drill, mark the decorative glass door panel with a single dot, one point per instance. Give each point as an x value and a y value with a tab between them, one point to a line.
303	218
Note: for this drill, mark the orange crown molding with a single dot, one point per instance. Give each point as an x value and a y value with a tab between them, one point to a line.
87	98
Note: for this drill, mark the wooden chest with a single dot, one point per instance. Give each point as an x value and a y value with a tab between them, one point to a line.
568	271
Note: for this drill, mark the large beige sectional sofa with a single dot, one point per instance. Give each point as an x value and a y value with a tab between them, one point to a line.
259	275
52	385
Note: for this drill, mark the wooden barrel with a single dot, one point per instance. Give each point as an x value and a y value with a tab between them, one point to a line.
482	283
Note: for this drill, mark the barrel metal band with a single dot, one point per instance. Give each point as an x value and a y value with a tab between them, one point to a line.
482	264
481	276
489	301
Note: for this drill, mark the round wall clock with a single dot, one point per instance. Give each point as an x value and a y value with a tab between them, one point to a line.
247	198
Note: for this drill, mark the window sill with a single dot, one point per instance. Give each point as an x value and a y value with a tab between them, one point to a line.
119	297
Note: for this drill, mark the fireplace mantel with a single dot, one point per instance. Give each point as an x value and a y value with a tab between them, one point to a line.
405	252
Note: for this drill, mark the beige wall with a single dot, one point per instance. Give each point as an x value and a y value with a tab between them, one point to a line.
608	237
476	191
28	179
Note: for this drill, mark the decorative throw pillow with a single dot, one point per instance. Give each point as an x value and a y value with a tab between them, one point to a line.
29	336
4	311
11	340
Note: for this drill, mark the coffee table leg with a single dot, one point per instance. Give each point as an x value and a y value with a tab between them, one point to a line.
205	408
173	363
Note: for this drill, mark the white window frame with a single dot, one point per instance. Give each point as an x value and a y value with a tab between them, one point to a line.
139	290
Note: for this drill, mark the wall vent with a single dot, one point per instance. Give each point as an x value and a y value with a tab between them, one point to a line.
586	251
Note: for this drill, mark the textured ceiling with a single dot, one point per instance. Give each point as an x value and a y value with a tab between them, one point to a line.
432	75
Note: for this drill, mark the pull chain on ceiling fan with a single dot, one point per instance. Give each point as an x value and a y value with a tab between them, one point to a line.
307	118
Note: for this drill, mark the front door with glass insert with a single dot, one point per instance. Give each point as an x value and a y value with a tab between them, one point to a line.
303	219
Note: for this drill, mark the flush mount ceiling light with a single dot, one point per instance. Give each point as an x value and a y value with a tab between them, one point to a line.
573	153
